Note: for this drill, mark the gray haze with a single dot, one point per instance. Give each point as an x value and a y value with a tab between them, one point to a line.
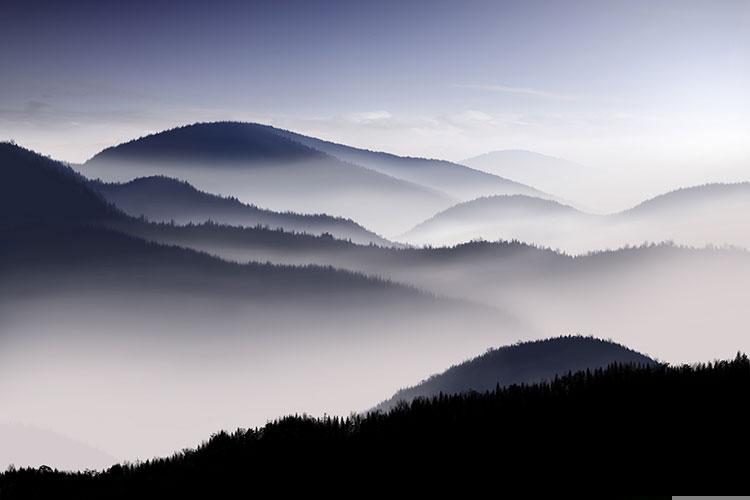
282	171
163	199
125	337
708	215
636	296
576	183
653	91
141	374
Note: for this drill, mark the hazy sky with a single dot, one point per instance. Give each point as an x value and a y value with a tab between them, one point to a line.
640	85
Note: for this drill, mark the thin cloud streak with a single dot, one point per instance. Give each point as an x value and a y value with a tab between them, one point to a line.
516	90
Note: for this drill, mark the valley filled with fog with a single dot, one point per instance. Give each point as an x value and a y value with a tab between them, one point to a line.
220	275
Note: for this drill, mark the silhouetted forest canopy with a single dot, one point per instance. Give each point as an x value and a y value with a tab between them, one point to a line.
624	428
301	242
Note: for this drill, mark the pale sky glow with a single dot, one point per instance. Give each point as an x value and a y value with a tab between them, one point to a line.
649	90
515	90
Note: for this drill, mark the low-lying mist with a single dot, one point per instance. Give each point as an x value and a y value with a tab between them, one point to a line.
127	339
714	214
677	303
140	366
383	204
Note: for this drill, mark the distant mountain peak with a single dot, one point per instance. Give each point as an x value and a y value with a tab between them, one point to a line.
512	154
490	210
216	141
552	174
458	180
283	170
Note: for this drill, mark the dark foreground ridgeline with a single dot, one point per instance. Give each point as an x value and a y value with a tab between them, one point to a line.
600	433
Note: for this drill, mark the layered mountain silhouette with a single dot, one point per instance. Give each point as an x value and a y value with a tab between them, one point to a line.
163	199
522	363
624	407
453	179
284	171
54	220
712	214
125	322
707	198
578	185
525	218
283	316
649	286
258	165
529	167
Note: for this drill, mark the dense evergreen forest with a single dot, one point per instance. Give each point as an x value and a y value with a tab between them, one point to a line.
620	430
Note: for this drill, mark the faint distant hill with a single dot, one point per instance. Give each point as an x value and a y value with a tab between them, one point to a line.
456	180
28	446
711	214
71	239
556	175
523	363
35	189
522	164
90	251
707	197
505	206
163	199
58	233
529	219
85	301
260	165
653	296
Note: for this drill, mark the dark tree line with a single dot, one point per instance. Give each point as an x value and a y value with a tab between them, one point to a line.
600	433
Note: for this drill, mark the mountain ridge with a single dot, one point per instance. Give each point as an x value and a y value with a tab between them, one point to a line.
257	164
521	363
59	195
708	214
163	199
414	169
688	194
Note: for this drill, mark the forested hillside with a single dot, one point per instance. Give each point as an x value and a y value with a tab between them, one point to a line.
623	429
